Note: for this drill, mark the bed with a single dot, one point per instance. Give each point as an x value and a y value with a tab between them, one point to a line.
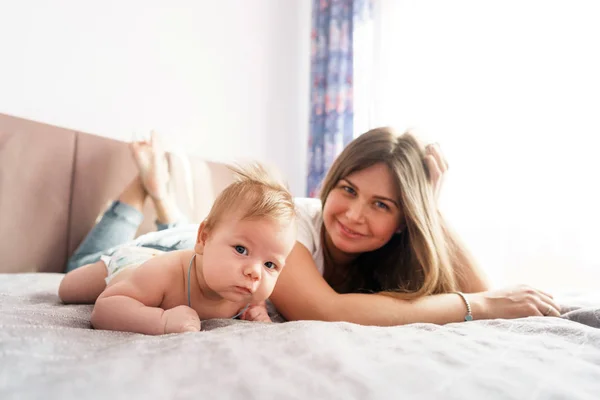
49	351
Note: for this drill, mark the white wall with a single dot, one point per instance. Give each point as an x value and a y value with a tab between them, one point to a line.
221	79
511	90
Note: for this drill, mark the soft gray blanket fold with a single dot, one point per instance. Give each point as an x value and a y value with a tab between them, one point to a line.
48	351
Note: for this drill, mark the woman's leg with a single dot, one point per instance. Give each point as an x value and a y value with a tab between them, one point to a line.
168	214
83	285
118	225
122	220
155	174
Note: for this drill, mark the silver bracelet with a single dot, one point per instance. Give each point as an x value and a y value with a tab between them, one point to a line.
469	316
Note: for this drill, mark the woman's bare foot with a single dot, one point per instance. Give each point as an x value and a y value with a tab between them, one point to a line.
152	164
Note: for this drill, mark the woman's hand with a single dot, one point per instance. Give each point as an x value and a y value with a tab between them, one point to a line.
437	165
181	319
515	302
257	312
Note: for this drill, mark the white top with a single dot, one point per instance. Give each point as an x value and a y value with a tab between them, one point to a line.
310	221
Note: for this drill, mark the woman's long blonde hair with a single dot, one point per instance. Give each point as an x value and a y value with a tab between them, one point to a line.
416	262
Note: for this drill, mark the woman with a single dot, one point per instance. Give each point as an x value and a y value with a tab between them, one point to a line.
373	250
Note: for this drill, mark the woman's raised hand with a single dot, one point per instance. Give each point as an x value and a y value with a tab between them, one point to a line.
437	166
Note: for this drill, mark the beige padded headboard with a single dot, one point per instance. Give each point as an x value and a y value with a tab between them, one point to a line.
55	182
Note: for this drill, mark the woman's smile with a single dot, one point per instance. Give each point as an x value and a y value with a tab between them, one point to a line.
349	233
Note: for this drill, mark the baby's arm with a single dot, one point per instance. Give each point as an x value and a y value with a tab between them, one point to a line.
257	312
133	304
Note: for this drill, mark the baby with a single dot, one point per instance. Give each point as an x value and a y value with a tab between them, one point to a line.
240	250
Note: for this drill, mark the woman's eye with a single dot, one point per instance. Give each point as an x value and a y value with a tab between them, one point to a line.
241	249
348	190
381	205
270	265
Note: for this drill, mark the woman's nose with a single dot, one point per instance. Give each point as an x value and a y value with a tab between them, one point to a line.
355	212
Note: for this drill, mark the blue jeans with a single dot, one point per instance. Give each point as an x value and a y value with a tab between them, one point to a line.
117	228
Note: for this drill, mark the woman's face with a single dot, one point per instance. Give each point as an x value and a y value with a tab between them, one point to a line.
362	211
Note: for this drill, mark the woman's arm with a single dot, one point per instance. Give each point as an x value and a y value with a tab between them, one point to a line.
471	278
301	293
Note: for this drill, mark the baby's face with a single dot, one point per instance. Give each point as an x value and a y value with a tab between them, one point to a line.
242	259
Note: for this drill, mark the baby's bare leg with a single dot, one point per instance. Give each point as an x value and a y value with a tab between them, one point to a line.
83	285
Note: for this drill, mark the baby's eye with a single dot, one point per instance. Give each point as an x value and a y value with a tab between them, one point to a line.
270	265
381	205
241	249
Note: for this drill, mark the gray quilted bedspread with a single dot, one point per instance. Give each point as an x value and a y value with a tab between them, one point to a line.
48	351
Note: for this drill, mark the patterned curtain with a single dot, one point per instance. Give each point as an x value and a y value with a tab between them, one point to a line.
334	25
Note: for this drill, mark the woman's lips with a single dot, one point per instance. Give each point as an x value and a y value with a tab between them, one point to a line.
349	232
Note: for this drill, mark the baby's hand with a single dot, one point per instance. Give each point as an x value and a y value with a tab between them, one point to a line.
257	312
181	319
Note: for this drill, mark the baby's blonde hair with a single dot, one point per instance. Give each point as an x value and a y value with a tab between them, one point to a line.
257	193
